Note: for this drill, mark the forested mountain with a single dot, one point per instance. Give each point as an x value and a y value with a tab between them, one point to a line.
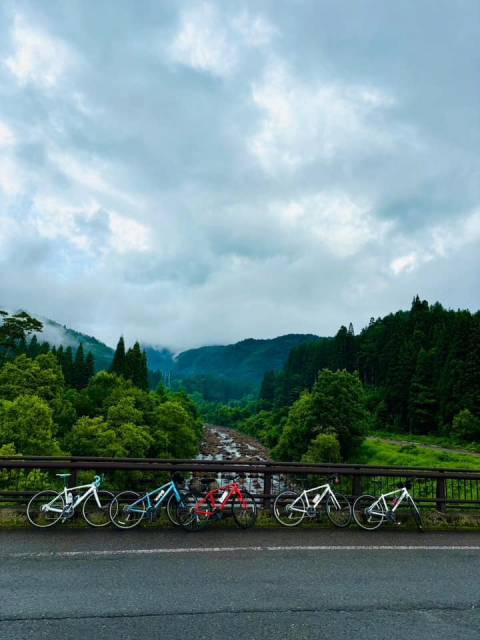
420	367
245	361
60	335
242	364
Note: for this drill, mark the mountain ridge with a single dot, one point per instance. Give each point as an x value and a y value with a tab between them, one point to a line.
245	360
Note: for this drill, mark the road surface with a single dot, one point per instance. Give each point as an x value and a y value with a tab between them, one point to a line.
224	583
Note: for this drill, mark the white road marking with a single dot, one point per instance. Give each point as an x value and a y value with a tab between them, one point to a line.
255	549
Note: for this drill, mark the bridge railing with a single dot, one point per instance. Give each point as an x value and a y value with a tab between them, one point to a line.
439	489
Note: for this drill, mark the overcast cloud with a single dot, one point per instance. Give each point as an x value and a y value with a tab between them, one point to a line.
190	173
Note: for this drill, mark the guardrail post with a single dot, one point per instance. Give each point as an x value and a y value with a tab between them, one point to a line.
356	486
267	490
441	495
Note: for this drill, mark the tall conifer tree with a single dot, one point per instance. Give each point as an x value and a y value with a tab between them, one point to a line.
119	362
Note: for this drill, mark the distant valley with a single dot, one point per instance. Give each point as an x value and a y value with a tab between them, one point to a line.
245	361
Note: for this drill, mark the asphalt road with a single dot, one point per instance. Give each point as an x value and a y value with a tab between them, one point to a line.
224	583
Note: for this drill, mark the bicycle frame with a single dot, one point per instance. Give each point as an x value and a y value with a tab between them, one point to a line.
382	506
160	493
91	488
209	500
322	491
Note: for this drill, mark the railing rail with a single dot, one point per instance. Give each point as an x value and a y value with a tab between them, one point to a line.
442	487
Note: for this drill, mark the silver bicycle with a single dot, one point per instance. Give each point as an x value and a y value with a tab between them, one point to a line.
290	508
46	508
370	512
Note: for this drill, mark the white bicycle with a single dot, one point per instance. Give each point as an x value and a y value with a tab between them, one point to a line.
370	512
290	508
46	508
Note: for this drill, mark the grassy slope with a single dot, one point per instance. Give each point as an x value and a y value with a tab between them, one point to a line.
377	452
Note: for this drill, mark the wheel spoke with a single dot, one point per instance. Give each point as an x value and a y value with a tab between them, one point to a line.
45	508
284	511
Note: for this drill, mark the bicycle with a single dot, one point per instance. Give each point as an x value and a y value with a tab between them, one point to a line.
129	508
370	512
196	512
290	507
48	507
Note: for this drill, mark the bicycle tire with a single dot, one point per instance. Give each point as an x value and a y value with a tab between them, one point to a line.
171	508
365	521
282	514
47	518
120	516
188	519
245	515
416	515
94	515
339	517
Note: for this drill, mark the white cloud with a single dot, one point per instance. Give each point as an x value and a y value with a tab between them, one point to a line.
128	234
404	264
334	221
55	218
86	173
208	41
201	42
304	122
442	241
256	31
450	237
38	58
12	179
7	137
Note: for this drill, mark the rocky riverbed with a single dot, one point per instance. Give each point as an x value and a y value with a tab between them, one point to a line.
221	443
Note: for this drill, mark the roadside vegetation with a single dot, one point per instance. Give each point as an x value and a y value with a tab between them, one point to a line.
52	403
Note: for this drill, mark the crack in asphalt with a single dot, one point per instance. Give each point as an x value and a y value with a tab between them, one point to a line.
163	614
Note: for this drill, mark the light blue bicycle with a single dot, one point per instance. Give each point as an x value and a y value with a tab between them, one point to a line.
129	508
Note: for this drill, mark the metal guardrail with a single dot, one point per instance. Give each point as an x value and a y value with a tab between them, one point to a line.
435	488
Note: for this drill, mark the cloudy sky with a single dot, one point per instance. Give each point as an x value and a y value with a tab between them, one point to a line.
198	172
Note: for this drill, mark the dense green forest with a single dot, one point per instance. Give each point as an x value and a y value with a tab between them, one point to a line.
52	401
414	372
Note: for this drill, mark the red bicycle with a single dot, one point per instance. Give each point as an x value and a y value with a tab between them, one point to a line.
231	499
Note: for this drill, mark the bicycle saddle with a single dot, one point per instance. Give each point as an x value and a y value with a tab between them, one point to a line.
63	475
404	485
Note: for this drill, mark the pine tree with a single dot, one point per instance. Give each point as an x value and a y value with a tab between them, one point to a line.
119	363
136	367
89	367
67	366
33	347
471	399
267	391
143	376
422	404
79	381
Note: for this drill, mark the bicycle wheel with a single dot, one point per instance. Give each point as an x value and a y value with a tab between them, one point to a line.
192	513
94	515
339	510
363	517
123	513
285	512
416	515
45	508
244	512
172	508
